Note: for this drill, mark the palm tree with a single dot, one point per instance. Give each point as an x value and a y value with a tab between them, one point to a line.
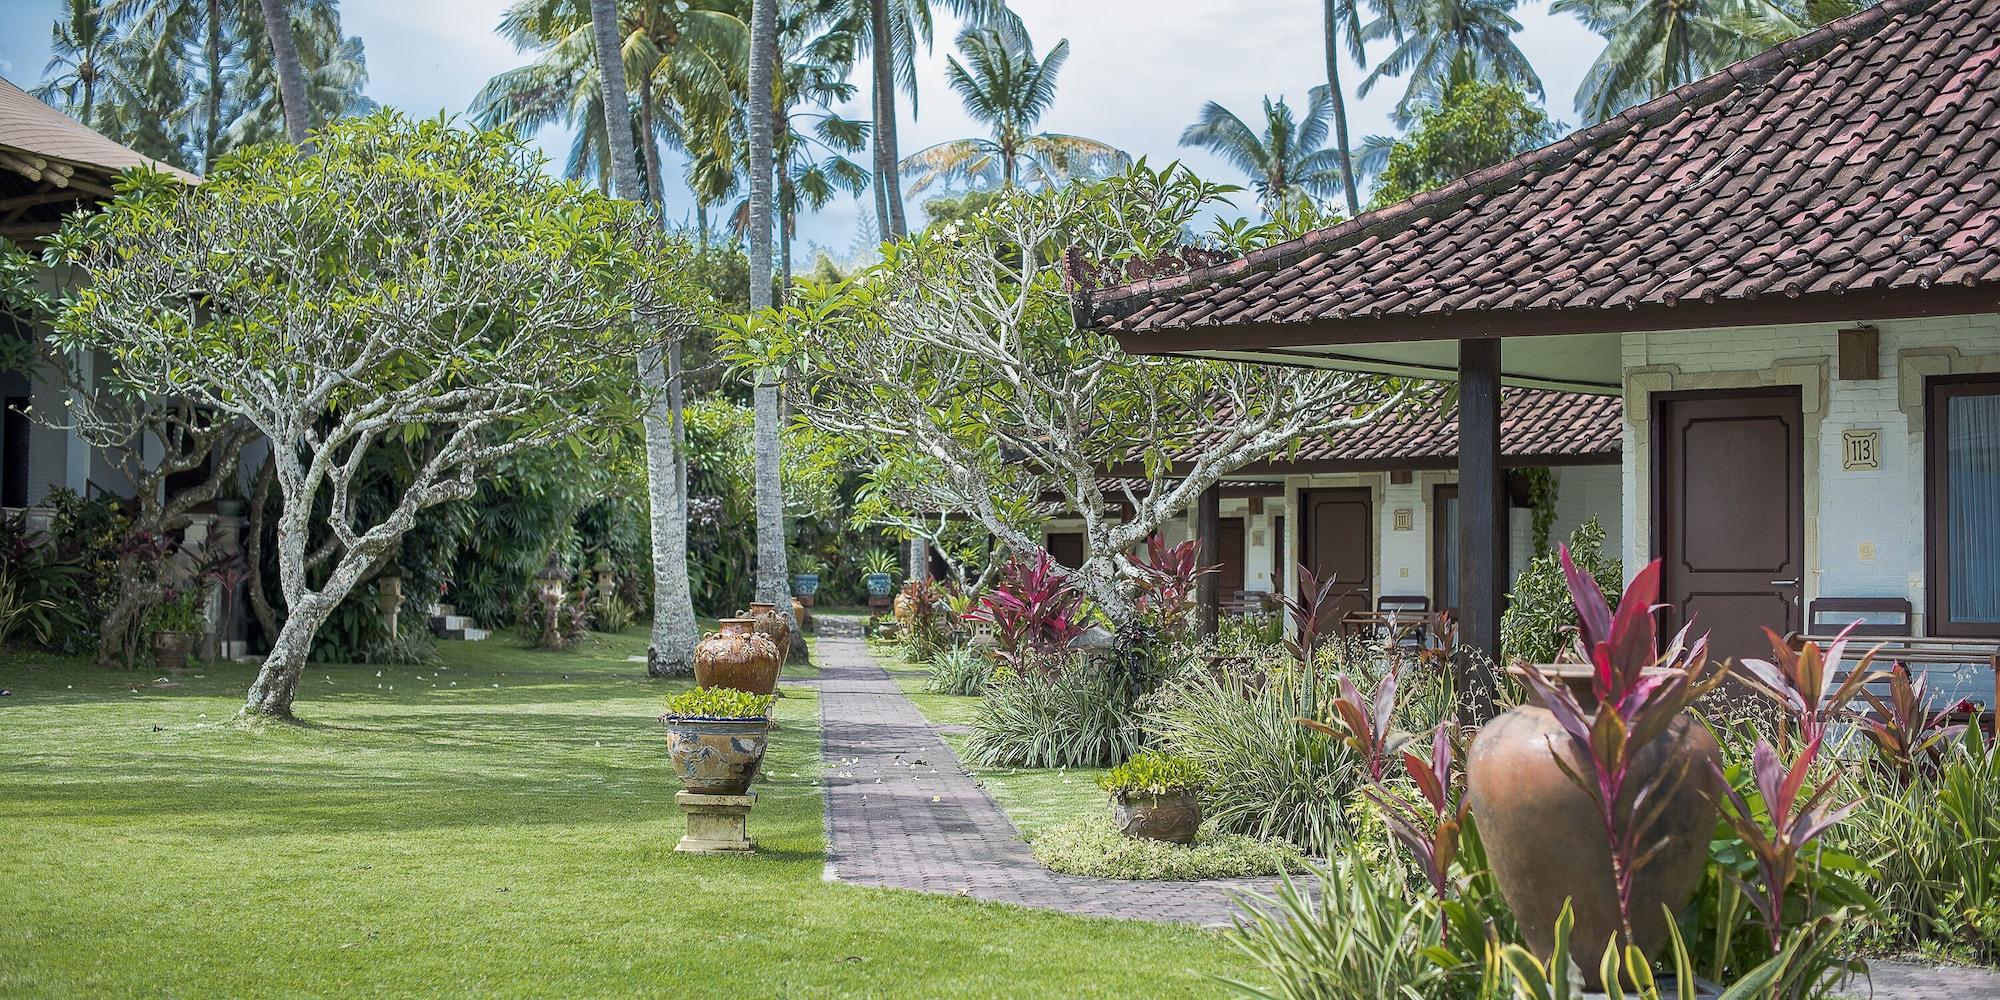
1653	46
291	74
1432	35
772	585
1008	89
892	30
80	50
1288	163
1343	19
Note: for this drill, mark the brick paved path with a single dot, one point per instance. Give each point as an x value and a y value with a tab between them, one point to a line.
902	813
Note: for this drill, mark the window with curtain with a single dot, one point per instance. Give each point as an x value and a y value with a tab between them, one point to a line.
1444	542
1964	479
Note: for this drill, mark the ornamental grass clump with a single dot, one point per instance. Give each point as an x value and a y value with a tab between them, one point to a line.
718	703
1095	848
959	671
1068	712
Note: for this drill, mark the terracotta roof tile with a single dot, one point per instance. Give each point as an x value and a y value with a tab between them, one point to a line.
1863	156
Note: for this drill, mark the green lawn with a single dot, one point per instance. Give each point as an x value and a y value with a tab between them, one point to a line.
501	827
938	709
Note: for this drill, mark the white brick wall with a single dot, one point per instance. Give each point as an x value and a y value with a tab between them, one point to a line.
1843	510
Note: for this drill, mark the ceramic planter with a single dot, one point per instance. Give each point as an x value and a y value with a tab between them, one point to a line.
1546	842
774	625
1173	817
716	756
171	649
879	584
737	657
805	584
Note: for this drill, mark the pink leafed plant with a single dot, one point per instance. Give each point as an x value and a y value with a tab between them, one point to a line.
1797	817
1168	575
1801	681
1365	725
1640	690
1904	733
1305	612
1035	611
1432	837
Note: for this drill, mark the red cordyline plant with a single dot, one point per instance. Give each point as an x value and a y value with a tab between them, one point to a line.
1796	820
1167	578
1431	836
1906	735
1305	612
1035	611
1639	691
1801	681
1365	725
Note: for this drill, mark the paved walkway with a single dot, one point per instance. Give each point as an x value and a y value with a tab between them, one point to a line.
902	813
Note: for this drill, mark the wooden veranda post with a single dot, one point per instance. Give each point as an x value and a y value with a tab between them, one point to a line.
1208	586
1482	516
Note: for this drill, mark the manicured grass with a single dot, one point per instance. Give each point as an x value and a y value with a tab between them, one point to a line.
499	827
1037	799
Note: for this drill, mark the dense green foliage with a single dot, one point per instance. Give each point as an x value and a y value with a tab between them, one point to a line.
718	703
1094	848
1476	125
1082	716
1153	773
959	671
1539	616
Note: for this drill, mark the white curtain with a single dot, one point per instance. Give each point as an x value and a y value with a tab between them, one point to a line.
1972	484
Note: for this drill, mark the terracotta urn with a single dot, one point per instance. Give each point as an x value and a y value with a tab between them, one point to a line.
172	649
774	625
736	656
905	609
1172	817
799	614
716	756
1546	842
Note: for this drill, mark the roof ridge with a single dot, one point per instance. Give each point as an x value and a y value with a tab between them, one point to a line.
1385	221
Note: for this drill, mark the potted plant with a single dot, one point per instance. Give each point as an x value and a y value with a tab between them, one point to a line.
805	583
176	624
1156	796
878	572
716	738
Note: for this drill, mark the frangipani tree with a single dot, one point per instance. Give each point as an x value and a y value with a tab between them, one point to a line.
406	285
959	351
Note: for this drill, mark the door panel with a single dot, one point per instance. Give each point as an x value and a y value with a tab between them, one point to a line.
1340	545
1229	580
1729	522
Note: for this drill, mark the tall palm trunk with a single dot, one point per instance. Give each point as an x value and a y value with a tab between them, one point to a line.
889	195
211	130
1345	148
291	75
674	633
770	489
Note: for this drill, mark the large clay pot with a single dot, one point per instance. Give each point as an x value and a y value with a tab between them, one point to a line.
1173	817
172	649
1546	843
716	756
799	615
737	657
774	625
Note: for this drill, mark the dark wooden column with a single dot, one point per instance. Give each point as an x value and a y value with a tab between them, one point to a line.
1482	517
1208	586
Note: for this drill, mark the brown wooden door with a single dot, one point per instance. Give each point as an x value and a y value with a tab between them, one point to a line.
1229	579
1339	542
1066	548
1729	515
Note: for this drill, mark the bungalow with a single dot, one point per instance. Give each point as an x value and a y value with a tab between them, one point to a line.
1790	273
1378	504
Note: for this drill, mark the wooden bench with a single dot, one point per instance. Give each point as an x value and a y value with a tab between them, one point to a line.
1954	670
1407	618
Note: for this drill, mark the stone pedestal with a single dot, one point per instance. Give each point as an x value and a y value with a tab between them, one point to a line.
717	824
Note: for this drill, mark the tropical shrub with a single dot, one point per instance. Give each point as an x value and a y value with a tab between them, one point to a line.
1168	575
1934	844
1080	714
1094	848
718	703
1150	772
609	613
1540	617
1363	933
1035	613
178	611
569	611
1269	777
959	671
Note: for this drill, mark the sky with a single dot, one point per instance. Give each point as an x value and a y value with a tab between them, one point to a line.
1139	72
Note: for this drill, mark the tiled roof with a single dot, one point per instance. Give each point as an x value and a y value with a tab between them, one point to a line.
1858	162
29	126
1537	426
